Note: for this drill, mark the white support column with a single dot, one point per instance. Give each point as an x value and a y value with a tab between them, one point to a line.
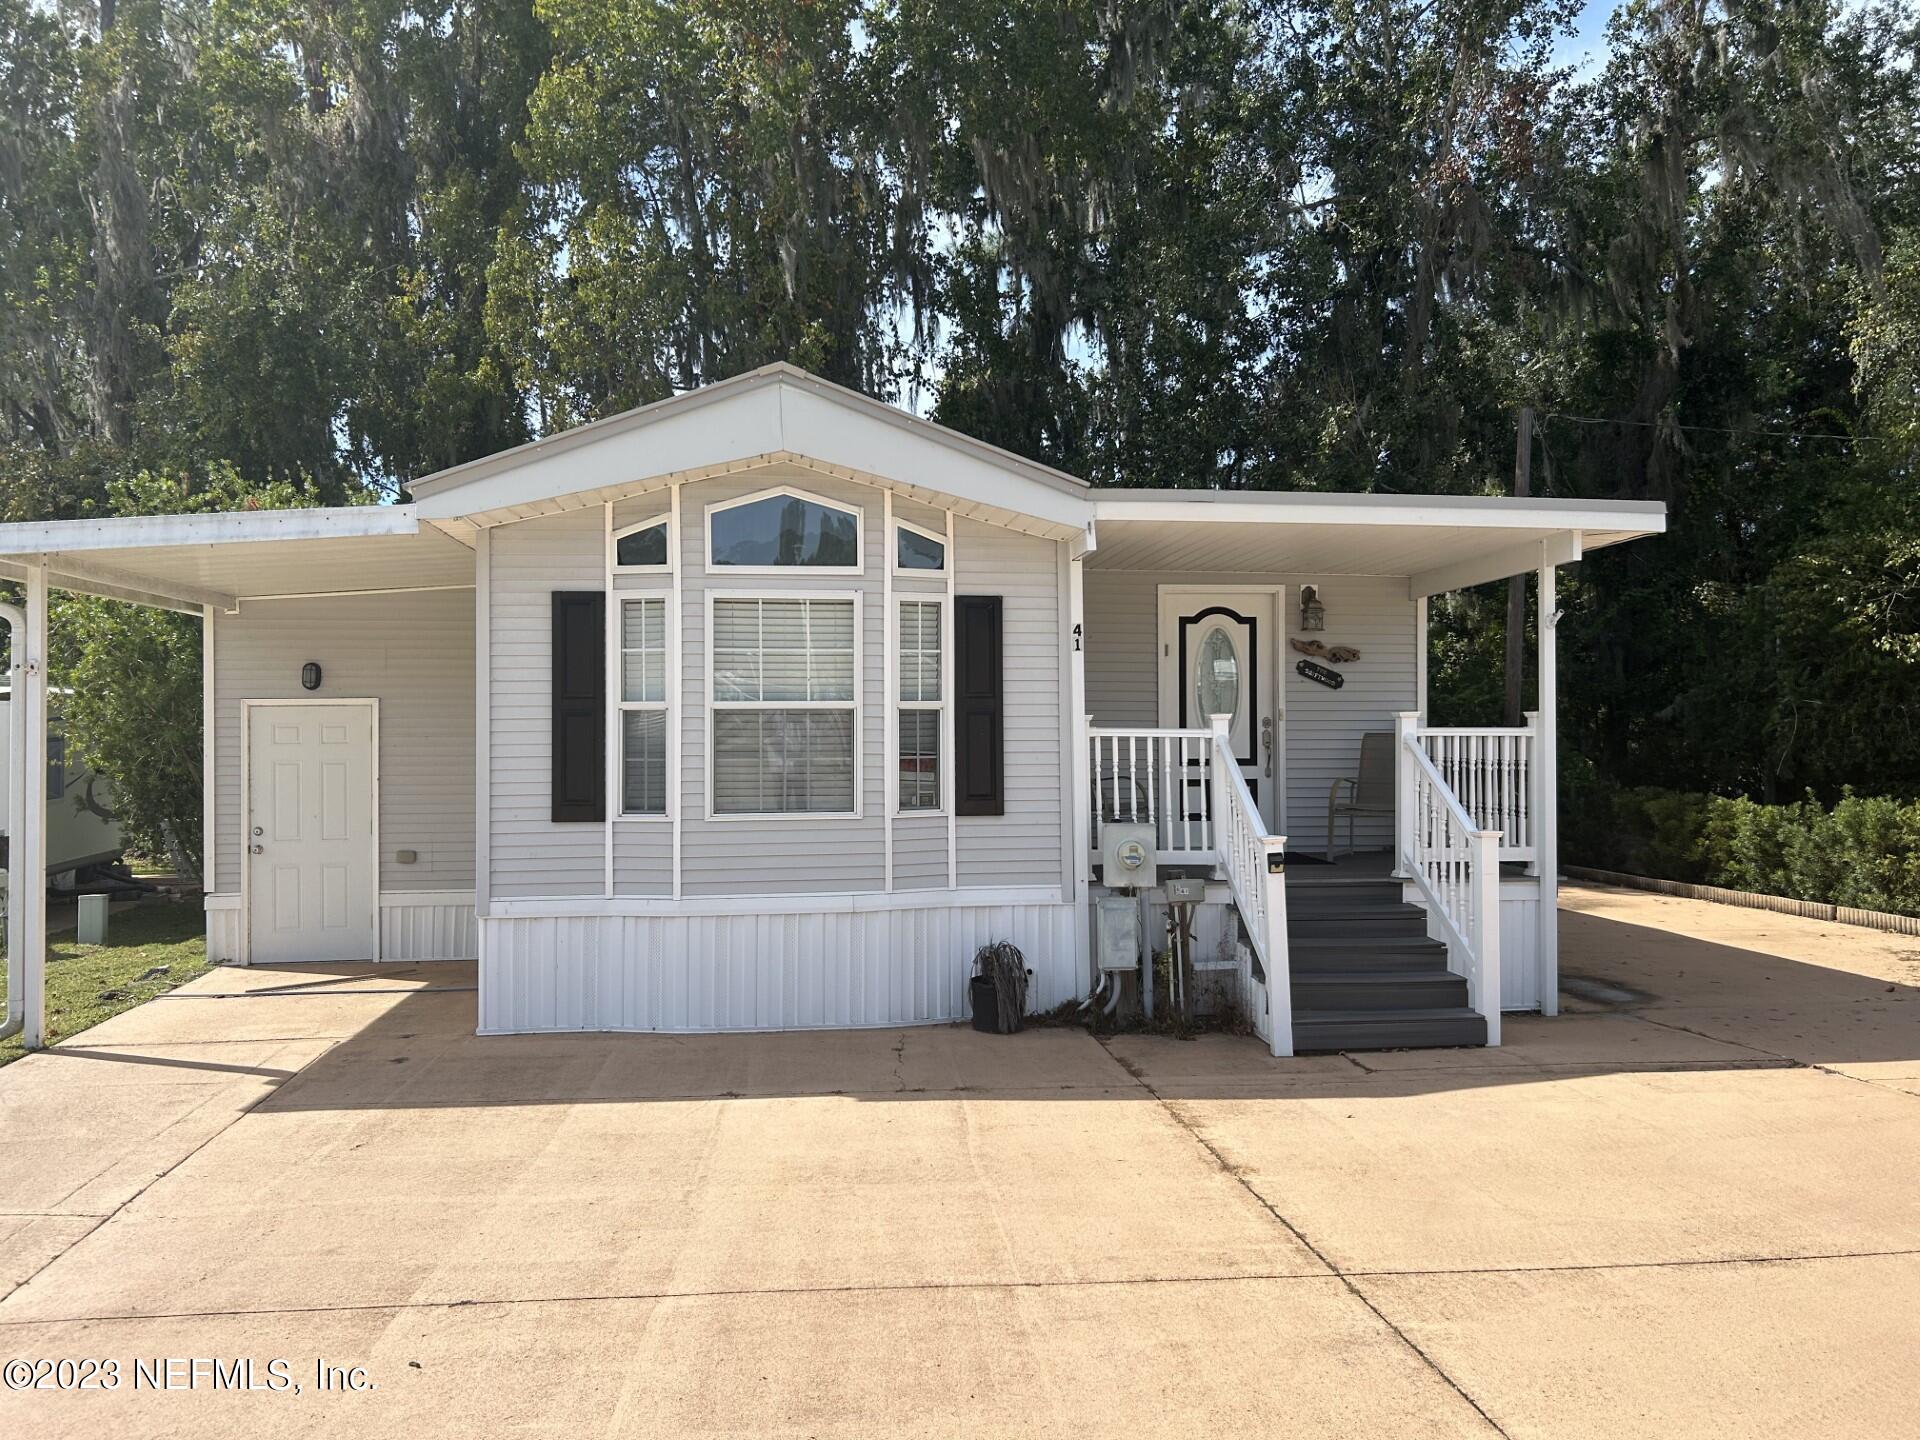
482	725
1420	658
1079	763
1546	759
17	765
890	687
610	716
1485	991
1405	724
1279	961
209	674
28	849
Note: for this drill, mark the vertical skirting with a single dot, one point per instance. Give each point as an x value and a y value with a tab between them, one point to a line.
417	925
223	929
429	925
1520	944
831	969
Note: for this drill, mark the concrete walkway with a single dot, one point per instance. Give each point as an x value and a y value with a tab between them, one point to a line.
1686	1207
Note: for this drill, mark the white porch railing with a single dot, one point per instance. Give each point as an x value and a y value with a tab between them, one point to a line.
1154	777
1255	866
1492	774
1455	864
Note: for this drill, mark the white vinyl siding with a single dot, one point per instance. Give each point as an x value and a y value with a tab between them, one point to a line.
1322	727
411	652
1026	844
772	855
529	560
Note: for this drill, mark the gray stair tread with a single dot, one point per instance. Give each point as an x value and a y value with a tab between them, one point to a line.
1387	1029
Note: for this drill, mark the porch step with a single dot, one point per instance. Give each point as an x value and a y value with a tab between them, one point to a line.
1321	991
1333	923
1321	1030
1359	950
1311	890
1364	975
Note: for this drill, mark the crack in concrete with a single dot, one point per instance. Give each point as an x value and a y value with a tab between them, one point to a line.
1233	1172
944	1286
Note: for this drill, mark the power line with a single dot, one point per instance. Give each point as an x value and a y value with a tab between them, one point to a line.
1718	429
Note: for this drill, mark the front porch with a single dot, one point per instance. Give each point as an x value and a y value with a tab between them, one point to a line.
1255	712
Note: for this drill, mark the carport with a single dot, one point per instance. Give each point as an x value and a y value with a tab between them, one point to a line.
200	565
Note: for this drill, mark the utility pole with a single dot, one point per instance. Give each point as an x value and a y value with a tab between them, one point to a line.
1517	586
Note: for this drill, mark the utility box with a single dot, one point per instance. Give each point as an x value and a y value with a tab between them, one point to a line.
1127	858
92	927
1116	929
1186	890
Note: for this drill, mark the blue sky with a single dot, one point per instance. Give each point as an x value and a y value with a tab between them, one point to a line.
1591	40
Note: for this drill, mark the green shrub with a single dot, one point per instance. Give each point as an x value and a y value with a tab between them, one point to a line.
1865	851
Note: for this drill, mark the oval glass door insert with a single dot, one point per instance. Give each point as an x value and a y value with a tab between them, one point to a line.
1216	674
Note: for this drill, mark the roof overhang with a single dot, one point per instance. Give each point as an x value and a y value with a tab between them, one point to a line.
189	562
1436	543
775	416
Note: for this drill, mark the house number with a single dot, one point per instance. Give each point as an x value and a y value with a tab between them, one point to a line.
1076	638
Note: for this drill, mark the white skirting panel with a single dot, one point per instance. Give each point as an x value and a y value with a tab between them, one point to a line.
1520	943
791	970
223	929
428	925
414	925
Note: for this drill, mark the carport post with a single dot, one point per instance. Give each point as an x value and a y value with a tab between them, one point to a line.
1546	819
27	845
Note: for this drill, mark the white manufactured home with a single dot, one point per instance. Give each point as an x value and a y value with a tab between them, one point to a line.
765	706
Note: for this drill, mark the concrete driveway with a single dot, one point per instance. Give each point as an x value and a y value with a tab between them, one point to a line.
1692	1207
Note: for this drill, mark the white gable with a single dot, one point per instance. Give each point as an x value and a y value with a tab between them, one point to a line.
775	416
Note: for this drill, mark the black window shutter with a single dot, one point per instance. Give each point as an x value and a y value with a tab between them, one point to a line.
979	708
579	705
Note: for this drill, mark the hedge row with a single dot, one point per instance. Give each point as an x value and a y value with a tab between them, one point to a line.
1864	851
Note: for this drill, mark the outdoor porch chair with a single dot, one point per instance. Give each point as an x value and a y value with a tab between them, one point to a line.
1368	793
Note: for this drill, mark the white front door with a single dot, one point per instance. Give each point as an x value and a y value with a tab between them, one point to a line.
1218	657
309	833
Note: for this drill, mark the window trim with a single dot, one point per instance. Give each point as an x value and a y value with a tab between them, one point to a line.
858	706
942	706
616	634
944	542
662	521
859	535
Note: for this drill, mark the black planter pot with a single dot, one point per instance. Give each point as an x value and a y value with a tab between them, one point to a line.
984	996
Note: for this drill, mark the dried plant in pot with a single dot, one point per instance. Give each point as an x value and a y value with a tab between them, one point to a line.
998	990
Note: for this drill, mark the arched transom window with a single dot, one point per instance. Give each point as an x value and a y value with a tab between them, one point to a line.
782	530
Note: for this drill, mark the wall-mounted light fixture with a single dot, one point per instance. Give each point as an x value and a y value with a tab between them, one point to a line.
310	675
1313	615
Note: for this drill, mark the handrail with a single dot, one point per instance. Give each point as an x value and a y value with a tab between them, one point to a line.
1455	865
1492	771
1255	866
1152	776
1458	812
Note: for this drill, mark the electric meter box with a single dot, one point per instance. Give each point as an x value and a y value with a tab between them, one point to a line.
1127	857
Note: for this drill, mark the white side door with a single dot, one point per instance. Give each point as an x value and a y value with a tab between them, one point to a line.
310	833
1218	649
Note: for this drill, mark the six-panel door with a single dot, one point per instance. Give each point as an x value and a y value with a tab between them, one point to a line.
309	833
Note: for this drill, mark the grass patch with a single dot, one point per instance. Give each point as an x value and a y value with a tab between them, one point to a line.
156	946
